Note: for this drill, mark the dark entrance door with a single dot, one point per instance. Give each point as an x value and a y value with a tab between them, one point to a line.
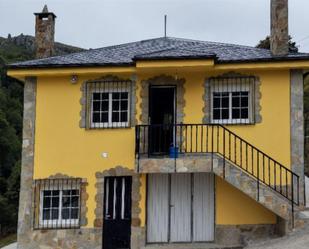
162	107
117	212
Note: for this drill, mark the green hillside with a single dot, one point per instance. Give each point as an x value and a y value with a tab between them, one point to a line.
13	49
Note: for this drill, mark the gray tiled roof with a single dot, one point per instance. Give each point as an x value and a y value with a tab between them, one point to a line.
160	48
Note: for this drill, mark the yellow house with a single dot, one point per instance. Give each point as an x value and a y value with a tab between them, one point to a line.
161	142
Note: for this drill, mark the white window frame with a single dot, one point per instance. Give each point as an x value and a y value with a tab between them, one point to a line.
109	124
220	88
56	223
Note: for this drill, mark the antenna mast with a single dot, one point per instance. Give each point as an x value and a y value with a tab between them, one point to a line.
165	22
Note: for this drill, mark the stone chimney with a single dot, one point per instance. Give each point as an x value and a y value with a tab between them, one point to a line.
44	33
279	38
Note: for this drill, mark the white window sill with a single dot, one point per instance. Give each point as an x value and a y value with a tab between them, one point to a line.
232	122
58	224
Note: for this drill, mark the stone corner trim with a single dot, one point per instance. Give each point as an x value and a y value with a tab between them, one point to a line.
297	127
256	95
27	164
117	171
137	232
85	103
162	80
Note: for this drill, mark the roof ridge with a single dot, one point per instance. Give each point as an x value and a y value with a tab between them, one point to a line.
171	49
214	42
154	52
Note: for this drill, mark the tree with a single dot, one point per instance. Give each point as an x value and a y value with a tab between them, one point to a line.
11	112
266	44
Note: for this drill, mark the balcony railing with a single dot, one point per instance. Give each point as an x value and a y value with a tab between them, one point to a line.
179	140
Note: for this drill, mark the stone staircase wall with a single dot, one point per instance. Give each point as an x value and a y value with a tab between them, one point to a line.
248	185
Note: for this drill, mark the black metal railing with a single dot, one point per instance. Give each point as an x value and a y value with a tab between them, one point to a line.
151	141
57	203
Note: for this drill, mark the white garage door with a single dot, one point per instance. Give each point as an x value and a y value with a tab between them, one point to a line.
180	208
158	208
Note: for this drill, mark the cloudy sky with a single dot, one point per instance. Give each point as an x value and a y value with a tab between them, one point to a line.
98	23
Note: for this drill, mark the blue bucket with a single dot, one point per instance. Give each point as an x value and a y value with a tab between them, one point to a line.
173	152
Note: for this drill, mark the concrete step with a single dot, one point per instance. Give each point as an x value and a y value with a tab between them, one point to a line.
191	246
304	215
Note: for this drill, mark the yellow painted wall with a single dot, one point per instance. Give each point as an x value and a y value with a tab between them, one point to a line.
234	207
62	147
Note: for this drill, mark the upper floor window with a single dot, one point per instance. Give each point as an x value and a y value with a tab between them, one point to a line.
232	100
109	104
109	109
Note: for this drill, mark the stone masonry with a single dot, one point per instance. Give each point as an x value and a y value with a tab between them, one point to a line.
163	80
297	128
85	100
248	185
279	39
137	232
27	164
255	85
183	164
44	33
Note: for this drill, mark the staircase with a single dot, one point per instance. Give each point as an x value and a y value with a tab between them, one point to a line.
249	185
235	160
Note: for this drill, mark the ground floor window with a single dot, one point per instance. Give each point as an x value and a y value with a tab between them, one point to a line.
57	203
180	208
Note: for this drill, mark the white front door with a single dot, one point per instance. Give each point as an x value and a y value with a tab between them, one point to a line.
180	208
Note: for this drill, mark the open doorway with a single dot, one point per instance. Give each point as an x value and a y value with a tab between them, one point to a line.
162	106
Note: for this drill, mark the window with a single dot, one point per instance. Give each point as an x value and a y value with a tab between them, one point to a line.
60	207
110	109
231	101
58	204
231	106
109	104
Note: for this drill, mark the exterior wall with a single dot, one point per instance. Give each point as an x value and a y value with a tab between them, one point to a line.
61	146
77	152
228	196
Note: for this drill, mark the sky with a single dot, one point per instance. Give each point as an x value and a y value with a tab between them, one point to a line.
99	23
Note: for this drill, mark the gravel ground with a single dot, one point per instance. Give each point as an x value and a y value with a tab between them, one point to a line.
299	240
11	246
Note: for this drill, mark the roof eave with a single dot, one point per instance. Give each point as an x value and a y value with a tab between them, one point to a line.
169	58
69	65
273	59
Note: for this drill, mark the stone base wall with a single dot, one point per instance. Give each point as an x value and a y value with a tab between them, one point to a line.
243	234
64	239
83	238
183	164
91	238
